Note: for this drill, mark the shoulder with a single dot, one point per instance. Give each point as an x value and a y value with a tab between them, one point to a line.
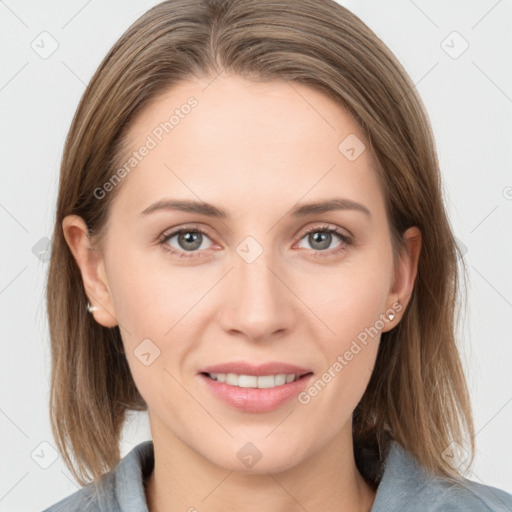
87	499
114	490
406	485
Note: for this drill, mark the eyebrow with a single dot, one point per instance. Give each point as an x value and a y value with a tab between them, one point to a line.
210	210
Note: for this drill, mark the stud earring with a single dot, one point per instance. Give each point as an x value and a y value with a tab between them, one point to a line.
391	316
91	308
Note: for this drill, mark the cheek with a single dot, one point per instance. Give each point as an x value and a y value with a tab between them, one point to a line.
350	351
348	360
351	301
350	297
146	299
151	302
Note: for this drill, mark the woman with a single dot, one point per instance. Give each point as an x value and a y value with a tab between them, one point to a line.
251	245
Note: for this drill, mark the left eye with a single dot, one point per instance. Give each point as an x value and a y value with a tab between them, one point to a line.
321	238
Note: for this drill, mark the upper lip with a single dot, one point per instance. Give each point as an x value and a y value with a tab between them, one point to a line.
246	368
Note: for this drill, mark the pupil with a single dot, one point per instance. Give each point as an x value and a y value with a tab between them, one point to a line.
323	239
188	238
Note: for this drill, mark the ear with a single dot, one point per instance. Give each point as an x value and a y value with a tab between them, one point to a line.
405	272
91	265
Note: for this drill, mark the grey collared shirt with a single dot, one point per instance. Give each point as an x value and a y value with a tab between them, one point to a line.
405	486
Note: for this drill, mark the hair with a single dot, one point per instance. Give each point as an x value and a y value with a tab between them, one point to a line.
417	394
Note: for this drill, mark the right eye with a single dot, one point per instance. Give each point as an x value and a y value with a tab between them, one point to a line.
189	241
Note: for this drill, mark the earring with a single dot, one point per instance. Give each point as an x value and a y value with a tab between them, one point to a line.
391	316
91	308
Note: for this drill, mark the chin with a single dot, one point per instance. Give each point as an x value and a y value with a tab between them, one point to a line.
258	457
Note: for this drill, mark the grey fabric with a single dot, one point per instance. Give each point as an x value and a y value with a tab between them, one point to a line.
405	486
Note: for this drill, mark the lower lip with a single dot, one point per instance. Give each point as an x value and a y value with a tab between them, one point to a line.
256	399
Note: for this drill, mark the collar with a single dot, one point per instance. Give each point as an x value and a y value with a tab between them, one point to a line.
405	486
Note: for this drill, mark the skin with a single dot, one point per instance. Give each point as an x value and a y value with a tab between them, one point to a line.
255	150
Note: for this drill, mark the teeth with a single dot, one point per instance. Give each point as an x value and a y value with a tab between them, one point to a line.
253	381
244	381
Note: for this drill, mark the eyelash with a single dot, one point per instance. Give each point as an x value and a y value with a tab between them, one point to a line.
345	241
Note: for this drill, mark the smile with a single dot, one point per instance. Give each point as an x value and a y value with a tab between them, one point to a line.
254	381
255	394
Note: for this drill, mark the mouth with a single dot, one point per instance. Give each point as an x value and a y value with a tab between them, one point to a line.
250	388
256	381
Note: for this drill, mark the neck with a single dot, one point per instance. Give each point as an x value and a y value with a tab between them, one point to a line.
184	480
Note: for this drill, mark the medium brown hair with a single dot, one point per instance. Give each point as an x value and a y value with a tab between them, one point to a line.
417	393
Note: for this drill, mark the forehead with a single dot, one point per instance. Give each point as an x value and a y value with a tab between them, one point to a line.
248	144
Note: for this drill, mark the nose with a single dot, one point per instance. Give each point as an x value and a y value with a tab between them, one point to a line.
258	303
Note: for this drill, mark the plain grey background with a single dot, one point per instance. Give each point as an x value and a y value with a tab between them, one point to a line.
457	53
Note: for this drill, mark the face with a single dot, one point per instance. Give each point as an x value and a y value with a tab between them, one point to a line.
270	281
